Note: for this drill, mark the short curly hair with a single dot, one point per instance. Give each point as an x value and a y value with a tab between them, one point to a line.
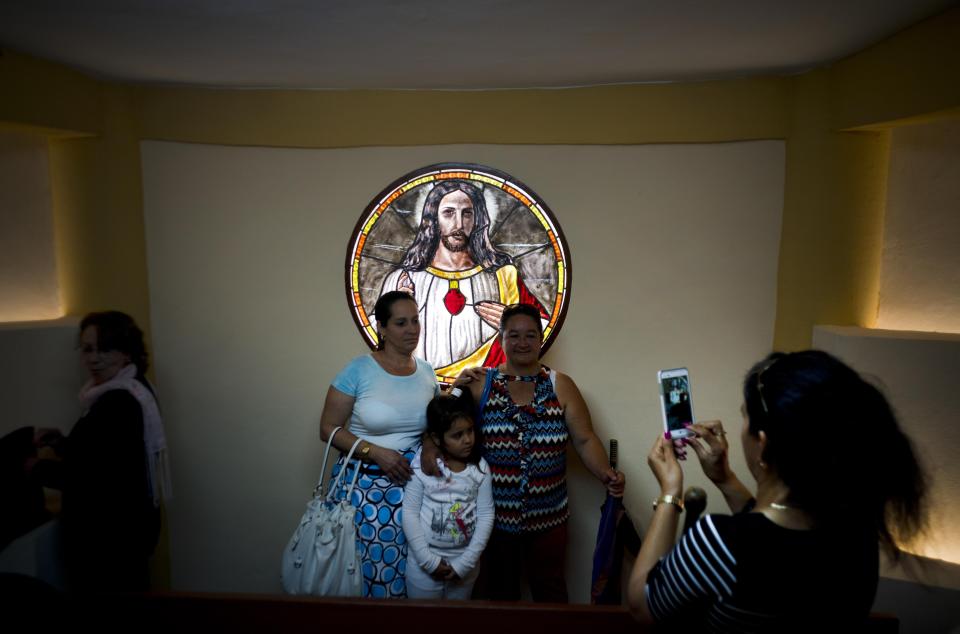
118	331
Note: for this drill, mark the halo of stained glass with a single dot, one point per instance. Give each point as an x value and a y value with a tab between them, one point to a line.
465	241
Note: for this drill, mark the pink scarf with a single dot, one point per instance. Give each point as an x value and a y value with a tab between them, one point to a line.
153	437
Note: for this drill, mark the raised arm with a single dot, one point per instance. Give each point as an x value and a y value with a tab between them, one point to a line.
473	380
585	440
663	526
711	447
336	413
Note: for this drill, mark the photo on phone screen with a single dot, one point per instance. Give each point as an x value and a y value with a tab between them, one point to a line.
675	401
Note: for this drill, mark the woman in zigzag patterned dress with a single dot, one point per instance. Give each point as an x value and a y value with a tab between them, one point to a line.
528	413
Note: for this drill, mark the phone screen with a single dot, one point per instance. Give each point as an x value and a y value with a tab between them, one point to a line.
677	405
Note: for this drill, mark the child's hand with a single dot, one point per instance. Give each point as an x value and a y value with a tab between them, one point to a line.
443	571
452	575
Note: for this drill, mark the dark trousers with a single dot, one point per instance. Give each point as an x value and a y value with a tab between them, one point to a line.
541	555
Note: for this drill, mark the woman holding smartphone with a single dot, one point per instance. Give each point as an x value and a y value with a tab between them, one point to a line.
802	550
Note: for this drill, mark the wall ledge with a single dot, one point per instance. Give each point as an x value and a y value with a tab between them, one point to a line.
912	335
68	321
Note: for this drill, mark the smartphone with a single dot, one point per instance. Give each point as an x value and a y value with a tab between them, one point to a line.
676	405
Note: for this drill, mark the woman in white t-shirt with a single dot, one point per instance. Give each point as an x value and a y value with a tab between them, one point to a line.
382	398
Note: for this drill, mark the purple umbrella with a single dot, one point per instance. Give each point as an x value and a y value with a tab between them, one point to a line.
615	533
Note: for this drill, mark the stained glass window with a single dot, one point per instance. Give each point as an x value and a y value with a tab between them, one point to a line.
465	240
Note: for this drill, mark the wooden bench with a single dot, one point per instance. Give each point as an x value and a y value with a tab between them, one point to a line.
176	613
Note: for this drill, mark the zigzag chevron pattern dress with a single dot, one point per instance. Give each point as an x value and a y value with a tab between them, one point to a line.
526	448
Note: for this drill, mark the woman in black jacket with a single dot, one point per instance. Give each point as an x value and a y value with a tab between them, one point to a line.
112	466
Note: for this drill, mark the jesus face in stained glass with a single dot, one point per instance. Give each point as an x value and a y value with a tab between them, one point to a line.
456	221
479	244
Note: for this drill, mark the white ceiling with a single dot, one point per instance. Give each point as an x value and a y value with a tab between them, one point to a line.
351	44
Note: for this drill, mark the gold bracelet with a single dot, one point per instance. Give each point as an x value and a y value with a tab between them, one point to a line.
669	499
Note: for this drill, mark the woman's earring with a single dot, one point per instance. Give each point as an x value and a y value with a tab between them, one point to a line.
763	465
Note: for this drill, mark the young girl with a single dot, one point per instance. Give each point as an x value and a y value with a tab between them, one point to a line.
447	520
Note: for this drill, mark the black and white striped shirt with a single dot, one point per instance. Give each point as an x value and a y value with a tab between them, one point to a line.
743	573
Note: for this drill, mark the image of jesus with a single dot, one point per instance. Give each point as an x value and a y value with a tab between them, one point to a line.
461	282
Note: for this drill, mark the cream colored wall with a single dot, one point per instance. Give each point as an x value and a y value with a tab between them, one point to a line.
837	153
920	272
28	274
674	251
39	374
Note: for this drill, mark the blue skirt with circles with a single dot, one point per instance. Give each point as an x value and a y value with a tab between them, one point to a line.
379	522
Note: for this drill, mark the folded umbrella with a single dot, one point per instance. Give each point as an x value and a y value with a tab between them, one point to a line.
615	533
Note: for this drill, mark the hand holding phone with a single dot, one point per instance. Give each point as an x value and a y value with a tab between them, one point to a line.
676	404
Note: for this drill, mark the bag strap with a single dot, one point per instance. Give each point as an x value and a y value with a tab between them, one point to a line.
356	474
487	384
318	491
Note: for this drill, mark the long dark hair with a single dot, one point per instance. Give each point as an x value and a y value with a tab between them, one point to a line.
117	331
444	410
811	406
424	247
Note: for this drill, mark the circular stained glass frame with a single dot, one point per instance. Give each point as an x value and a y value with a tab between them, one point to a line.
521	225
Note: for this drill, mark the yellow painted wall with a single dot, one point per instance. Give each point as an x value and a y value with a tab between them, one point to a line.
837	158
832	219
47	96
911	74
99	215
95	181
700	112
834	183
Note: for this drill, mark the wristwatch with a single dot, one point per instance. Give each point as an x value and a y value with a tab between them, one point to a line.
669	499
365	451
